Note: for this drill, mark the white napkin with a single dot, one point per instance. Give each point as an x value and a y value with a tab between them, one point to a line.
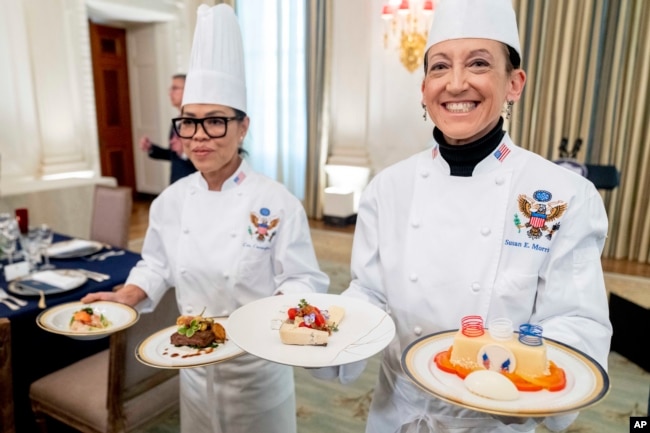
60	280
69	246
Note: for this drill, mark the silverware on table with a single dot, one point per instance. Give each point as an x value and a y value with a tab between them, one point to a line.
9	304
15	300
103	256
95	276
41	300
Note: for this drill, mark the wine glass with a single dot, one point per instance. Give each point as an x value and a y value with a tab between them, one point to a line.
45	235
9	234
31	244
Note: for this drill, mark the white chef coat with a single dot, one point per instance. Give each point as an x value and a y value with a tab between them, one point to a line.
221	250
432	248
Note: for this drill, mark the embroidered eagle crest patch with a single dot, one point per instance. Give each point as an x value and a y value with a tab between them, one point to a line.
264	225
540	210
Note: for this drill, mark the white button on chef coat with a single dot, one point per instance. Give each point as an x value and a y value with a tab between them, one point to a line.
413	277
476	287
485	231
417	330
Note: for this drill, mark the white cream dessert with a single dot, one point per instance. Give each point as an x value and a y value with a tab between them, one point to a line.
309	326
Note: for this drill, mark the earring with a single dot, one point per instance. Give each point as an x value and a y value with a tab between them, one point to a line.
509	109
424	115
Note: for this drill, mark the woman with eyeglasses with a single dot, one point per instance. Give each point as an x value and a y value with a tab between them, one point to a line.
223	237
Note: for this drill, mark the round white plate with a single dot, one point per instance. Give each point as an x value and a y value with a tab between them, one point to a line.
157	351
19	286
587	382
57	319
74	248
364	330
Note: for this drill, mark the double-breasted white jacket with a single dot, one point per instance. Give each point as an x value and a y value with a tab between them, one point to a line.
221	250
520	239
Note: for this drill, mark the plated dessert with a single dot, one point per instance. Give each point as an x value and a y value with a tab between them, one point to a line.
308	325
500	354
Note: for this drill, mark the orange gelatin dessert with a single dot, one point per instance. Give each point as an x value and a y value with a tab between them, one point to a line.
521	357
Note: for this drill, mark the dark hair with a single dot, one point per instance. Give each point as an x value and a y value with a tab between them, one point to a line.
514	61
239	114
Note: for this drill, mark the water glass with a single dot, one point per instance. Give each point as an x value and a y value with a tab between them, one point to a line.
9	233
45	235
31	244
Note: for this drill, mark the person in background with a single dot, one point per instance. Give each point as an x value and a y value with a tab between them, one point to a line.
223	237
181	166
475	225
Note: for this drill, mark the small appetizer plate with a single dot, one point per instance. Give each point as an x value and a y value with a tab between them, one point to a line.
157	350
58	319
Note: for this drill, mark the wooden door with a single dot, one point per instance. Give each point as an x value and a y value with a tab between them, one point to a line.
108	47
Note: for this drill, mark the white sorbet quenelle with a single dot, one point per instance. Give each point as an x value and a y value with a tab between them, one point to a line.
491	384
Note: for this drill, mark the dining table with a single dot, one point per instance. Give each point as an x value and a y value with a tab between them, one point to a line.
36	352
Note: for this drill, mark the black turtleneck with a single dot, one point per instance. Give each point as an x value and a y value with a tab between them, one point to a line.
463	159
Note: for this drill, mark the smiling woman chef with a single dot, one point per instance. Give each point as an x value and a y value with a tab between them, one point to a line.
475	225
223	237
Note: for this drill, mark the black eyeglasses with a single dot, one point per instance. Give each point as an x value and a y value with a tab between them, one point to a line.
214	127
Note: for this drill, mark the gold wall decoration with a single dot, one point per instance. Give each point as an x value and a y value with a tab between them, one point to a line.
407	26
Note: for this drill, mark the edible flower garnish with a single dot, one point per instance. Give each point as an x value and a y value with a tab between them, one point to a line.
309	316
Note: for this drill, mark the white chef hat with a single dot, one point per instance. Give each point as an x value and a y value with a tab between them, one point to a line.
481	19
216	71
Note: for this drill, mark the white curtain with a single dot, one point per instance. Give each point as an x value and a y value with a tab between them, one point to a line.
274	52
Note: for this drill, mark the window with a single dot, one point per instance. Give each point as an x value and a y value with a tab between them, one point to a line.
274	51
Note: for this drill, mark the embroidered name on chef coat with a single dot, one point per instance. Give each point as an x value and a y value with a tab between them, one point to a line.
540	212
264	226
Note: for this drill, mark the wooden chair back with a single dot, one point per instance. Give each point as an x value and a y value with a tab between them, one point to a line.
111	391
111	215
7	420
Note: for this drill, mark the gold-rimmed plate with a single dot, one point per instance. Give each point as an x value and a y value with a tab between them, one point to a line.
587	382
158	351
57	319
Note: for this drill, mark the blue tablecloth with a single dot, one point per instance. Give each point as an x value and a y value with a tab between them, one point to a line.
35	352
